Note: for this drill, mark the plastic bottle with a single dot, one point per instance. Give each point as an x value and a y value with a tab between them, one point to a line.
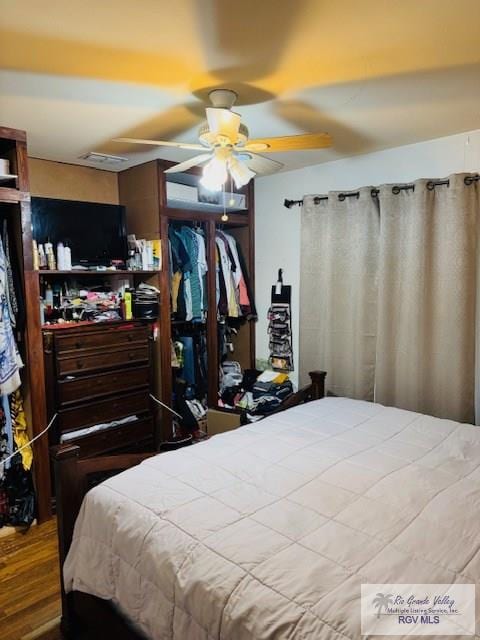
67	258
50	256
127	300
42	259
35	256
60	256
49	296
145	256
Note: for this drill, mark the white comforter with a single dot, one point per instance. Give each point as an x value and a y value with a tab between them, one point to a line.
269	531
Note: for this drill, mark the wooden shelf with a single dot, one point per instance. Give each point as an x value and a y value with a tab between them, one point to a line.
118	272
202	207
234	219
8	194
7	177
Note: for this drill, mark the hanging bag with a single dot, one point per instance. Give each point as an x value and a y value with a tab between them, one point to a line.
280	326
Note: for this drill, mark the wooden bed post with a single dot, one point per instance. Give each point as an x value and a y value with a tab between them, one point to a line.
318	384
69	494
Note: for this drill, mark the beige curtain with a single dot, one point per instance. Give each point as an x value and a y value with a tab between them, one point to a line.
426	299
338	293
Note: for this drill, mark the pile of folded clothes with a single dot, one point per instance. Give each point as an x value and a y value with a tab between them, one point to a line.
146	301
252	391
269	391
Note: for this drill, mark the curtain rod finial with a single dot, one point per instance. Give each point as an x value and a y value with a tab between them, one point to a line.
290	203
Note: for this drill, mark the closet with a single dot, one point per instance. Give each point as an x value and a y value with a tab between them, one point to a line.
15	211
173	208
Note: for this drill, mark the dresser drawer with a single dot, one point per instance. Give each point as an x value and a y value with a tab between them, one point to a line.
100	339
97	360
87	387
103	411
127	435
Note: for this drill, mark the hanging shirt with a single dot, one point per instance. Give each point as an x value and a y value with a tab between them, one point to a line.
187	292
191	242
202	272
10	290
226	265
237	272
175	284
249	309
10	360
180	269
239	276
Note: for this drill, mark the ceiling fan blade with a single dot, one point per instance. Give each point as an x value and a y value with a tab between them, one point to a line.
162	143
290	143
259	164
223	122
188	164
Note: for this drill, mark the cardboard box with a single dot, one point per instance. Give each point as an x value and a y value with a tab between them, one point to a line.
221	421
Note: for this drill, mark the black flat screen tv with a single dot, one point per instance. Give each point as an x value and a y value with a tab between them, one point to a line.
96	233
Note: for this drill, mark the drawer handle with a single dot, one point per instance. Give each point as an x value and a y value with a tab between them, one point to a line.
130	337
79	364
131	356
78	345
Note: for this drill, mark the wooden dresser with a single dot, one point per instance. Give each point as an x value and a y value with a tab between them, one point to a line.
97	374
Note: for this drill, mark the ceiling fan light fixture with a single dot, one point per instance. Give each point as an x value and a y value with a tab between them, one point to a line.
215	173
240	173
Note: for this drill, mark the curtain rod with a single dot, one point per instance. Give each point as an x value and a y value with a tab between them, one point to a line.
396	189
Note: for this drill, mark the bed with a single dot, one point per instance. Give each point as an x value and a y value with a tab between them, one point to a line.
269	531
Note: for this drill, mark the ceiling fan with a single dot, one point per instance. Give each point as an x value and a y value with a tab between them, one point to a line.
227	149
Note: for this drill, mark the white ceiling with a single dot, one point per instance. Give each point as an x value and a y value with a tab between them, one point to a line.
374	74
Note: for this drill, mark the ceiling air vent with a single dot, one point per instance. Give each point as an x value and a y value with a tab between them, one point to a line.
102	158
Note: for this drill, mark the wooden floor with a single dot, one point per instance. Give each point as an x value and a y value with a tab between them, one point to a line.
29	585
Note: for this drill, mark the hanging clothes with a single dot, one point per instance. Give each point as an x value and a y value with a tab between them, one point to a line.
247	299
202	271
17	496
19	426
10	289
188	269
234	294
6	442
10	360
221	289
227	266
195	246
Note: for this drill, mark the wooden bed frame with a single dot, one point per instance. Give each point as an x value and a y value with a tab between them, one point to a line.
85	616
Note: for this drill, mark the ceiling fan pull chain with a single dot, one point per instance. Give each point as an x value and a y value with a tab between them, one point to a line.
231	202
224	216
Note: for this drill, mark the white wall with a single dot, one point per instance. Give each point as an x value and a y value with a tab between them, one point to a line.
277	234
